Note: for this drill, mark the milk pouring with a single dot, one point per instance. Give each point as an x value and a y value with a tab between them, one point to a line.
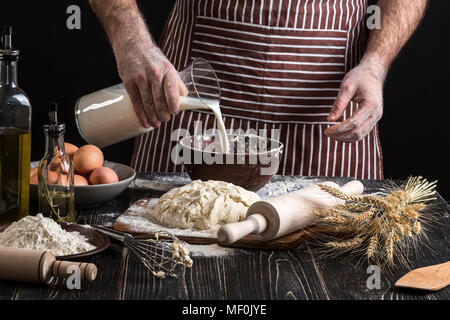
106	117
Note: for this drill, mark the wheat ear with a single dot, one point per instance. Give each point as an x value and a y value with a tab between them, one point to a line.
349	244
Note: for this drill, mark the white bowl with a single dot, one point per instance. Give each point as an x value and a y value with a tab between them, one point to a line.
95	194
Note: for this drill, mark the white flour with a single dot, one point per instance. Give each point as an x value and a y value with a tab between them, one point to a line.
210	250
44	234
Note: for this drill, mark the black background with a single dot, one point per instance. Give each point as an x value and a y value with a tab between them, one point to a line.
61	65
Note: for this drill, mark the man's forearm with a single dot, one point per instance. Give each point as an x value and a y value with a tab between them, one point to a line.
399	19
151	81
122	22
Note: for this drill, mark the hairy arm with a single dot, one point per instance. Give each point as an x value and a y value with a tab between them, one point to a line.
122	21
399	19
364	83
149	78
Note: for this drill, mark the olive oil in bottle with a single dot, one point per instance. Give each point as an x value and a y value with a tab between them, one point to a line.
15	136
56	190
58	205
14	174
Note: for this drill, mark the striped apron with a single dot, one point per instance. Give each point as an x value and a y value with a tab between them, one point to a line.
280	64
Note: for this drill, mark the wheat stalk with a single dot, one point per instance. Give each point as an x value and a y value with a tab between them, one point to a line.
360	199
349	244
408	232
353	207
335	219
390	246
383	227
363	216
373	243
417	227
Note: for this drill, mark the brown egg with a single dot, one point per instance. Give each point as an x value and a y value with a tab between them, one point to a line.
34	171
55	163
70	149
58	165
63	180
52	177
34	179
80	180
87	159
103	175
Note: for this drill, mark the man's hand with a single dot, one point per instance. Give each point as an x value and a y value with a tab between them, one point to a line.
363	85
151	81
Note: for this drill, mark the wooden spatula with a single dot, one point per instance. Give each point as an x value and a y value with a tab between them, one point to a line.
432	278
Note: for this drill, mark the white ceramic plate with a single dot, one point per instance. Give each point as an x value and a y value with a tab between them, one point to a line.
95	194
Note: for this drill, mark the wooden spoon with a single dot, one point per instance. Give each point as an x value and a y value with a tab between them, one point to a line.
432	278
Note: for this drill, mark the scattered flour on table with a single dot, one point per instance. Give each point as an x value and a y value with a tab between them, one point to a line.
160	182
272	189
44	234
210	250
297	183
139	221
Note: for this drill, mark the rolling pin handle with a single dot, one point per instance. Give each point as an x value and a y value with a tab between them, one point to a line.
63	269
232	232
353	187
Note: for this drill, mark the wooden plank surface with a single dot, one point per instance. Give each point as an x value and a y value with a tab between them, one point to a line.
300	273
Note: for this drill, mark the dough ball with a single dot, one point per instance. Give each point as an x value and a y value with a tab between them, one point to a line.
203	205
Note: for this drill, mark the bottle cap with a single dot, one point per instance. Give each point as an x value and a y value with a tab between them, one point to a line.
54	127
7	52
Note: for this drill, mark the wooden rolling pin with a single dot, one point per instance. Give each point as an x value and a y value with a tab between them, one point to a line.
282	215
38	266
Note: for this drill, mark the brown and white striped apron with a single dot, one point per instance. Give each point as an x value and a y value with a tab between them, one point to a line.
280	64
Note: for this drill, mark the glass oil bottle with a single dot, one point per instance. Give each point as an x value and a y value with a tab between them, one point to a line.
55	174
15	136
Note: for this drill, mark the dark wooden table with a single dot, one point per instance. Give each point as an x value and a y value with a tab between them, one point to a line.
247	274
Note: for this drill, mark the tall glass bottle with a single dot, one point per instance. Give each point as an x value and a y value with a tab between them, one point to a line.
15	136
55	173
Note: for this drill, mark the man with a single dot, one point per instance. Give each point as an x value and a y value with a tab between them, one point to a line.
305	67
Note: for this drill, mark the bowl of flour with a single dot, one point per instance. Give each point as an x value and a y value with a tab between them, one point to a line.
67	241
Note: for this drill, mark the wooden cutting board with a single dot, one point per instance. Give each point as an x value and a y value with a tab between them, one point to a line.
135	221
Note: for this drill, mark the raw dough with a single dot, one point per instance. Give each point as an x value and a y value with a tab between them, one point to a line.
203	205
